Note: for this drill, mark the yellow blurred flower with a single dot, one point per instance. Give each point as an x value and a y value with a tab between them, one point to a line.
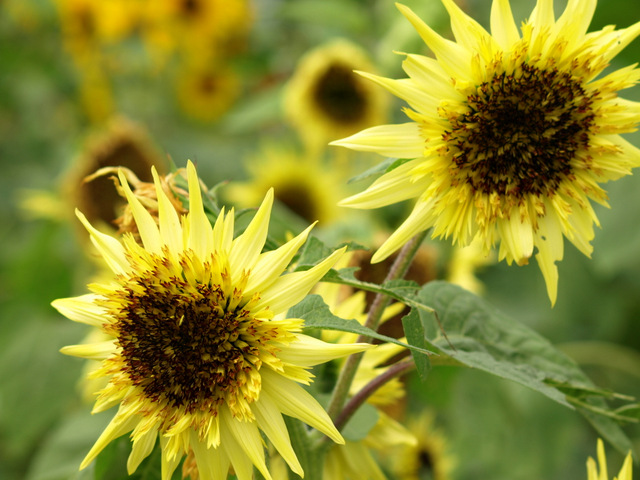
429	457
596	472
465	262
305	185
206	90
325	100
212	29
511	133
120	143
356	460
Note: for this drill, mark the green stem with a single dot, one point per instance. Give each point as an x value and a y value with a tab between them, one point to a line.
348	371
370	388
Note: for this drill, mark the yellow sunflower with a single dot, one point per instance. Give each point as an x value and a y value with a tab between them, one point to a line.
206	90
429	457
595	473
209	28
201	355
511	134
325	100
304	185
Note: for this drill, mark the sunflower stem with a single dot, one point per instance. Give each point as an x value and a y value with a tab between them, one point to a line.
348	372
370	388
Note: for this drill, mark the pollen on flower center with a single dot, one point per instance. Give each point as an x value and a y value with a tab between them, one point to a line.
338	94
520	132
184	346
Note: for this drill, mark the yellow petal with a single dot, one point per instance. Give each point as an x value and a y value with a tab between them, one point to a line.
272	424
418	221
200	232
420	99
246	248
213	463
110	248
392	187
292	288
503	26
400	141
82	309
454	58
294	401
169	462
120	425
270	265
241	459
467	31
141	449
170	228
144	221
308	351
93	351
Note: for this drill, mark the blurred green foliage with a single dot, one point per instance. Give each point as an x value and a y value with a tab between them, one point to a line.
496	429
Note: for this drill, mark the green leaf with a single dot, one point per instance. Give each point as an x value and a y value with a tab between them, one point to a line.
479	336
315	250
414	331
404	291
381	167
317	314
360	423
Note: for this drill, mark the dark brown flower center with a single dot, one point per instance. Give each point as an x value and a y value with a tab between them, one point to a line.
339	94
181	345
298	199
521	132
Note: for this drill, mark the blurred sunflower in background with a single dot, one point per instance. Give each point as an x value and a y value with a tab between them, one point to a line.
306	186
511	134
325	99
206	89
121	143
429	457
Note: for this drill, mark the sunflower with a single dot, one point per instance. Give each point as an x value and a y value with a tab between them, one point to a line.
122	142
429	457
304	185
325	100
206	90
511	133
201	355
601	473
207	28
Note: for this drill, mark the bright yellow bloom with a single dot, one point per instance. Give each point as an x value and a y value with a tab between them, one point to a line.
596	473
201	355
325	100
511	134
